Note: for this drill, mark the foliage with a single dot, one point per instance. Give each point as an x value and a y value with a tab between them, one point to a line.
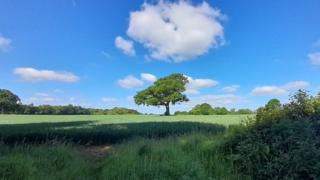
181	113
116	111
283	142
207	109
202	109
8	101
71	110
53	110
165	91
301	106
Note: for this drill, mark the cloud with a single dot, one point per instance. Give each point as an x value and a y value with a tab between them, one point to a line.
177	31
31	74
314	58
296	85
108	99
316	43
130	82
231	89
5	43
106	55
222	99
269	90
217	100
279	90
42	98
58	91
125	45
195	85
148	77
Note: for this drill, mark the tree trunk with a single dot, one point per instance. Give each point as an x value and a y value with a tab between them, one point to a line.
167	113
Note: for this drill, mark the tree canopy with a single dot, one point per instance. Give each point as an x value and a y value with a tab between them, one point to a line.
165	91
8	101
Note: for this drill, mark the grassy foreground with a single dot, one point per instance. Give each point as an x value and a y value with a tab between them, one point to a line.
143	147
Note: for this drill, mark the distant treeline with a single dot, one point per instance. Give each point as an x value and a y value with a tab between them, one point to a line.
207	109
11	104
71	110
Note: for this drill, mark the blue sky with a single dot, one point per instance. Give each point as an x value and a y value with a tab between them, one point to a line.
100	53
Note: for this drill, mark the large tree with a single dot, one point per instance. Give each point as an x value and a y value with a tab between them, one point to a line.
9	102
165	91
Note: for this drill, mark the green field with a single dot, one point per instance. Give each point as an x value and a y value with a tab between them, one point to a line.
115	119
114	147
106	129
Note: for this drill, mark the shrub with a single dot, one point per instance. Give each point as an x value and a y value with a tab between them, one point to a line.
282	143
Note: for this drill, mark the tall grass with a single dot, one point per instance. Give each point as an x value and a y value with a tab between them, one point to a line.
44	162
195	156
86	132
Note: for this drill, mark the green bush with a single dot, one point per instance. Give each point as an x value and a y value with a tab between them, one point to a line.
282	143
283	150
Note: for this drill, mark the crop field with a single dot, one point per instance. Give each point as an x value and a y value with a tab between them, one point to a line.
102	129
116	119
113	146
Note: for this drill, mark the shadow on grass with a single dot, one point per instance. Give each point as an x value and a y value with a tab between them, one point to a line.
87	132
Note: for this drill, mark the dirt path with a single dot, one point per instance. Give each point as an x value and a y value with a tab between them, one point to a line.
95	152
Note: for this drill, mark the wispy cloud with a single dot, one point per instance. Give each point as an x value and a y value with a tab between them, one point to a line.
148	77
314	58
130	82
279	90
34	75
5	43
195	85
316	43
109	99
125	45
231	89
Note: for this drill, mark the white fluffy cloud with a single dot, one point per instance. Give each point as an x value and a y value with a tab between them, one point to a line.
218	99
148	77
279	90
31	74
42	98
5	43
296	85
176	31
125	45
195	85
314	58
268	90
130	82
231	89
108	99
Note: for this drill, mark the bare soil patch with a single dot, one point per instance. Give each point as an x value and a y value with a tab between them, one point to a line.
95	152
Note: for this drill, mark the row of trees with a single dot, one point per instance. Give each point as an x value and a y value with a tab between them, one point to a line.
11	104
207	109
